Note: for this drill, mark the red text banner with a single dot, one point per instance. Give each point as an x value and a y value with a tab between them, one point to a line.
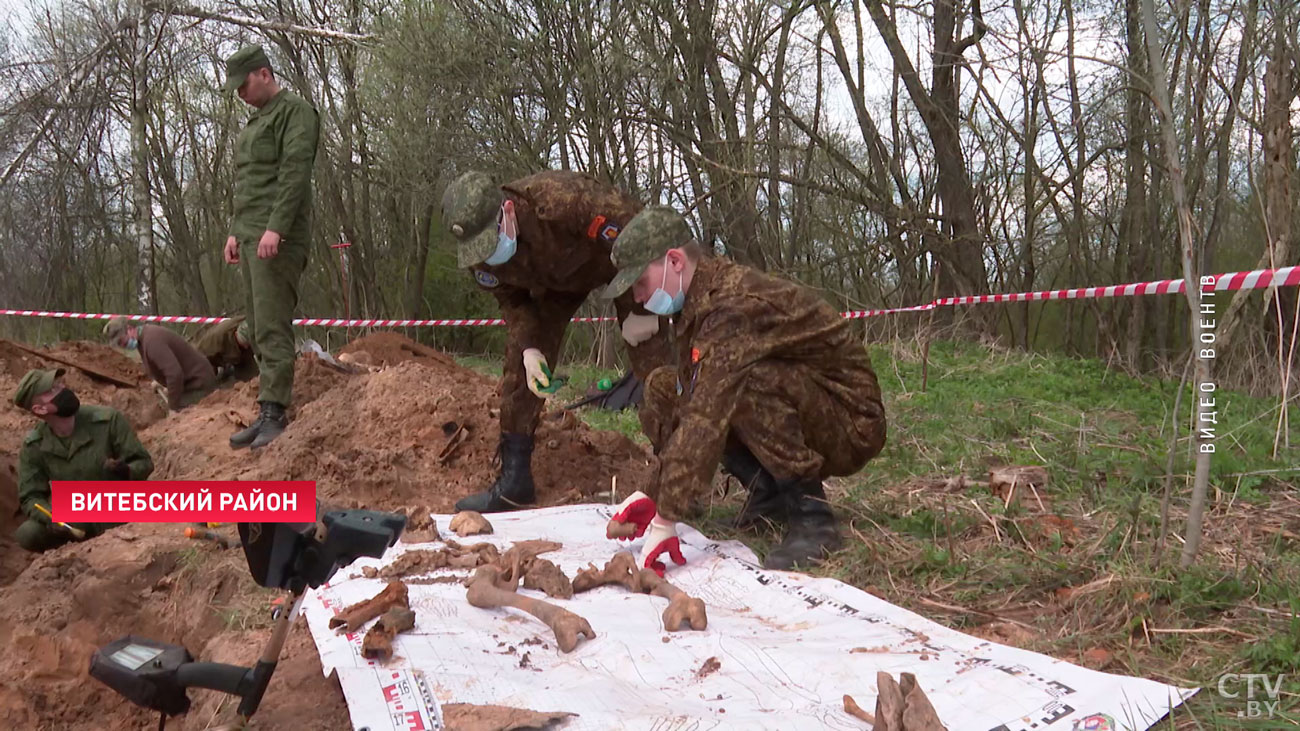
184	501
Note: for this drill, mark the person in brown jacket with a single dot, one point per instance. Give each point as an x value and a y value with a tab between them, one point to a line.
761	363
540	245
184	373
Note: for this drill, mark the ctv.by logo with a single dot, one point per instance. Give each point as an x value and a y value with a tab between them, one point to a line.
1255	683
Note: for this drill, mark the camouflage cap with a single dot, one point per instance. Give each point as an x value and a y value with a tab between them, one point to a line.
471	207
243	62
649	234
35	383
115	327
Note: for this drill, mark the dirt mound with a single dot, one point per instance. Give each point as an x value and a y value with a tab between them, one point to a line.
376	439
387	348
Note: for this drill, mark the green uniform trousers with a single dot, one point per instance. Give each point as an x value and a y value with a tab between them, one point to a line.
272	292
38	537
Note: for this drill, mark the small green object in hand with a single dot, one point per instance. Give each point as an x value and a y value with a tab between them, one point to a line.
557	382
604	384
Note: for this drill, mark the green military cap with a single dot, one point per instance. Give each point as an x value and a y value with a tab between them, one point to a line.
648	236
243	62
115	327
471	207
35	383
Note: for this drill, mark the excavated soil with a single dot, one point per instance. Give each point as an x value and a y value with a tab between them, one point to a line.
372	440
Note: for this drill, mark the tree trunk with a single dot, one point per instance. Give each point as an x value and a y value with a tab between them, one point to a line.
145	292
1133	216
1192	287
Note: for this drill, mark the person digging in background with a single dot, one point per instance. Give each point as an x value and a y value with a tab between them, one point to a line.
229	348
72	442
270	233
185	375
765	369
540	245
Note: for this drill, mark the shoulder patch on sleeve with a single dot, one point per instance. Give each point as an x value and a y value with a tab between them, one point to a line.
486	279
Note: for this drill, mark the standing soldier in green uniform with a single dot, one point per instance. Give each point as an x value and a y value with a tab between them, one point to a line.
540	245
761	362
271	230
229	348
74	442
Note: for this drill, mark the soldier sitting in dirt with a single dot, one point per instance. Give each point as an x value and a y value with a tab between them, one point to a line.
229	348
185	375
766	369
73	442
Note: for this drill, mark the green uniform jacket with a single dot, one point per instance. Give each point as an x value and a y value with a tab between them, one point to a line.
99	433
274	158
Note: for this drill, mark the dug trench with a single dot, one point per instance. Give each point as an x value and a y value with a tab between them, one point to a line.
376	439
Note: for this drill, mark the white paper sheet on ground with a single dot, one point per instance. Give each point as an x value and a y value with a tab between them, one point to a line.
783	642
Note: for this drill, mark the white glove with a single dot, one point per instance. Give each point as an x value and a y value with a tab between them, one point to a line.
534	373
639	328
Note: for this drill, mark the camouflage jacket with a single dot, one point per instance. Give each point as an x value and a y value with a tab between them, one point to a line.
567	225
735	317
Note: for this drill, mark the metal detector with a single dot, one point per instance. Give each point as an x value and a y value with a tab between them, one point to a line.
289	556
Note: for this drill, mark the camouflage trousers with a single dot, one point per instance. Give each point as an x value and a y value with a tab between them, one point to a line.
271	286
39	537
795	429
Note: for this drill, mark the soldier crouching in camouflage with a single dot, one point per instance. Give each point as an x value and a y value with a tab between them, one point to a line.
73	442
766	372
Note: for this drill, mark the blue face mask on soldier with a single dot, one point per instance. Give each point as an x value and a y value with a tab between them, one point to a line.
507	236
662	303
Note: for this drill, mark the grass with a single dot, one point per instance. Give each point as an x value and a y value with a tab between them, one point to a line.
1081	571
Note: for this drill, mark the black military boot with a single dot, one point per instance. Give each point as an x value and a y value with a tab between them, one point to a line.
763	501
813	531
514	486
274	422
245	437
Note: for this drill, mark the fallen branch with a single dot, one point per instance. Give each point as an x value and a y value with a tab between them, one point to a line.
490	589
351	619
1201	631
92	372
622	569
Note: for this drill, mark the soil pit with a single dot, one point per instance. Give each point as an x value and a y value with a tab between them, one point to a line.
368	440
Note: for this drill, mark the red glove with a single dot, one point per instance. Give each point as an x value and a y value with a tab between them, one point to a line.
661	539
637	509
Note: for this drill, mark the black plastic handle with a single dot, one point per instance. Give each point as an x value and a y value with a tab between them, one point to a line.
230	679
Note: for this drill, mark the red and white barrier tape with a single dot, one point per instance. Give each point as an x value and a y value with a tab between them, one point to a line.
1258	279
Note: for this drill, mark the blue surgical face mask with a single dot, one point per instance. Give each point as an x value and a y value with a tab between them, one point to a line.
662	303
507	236
131	343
